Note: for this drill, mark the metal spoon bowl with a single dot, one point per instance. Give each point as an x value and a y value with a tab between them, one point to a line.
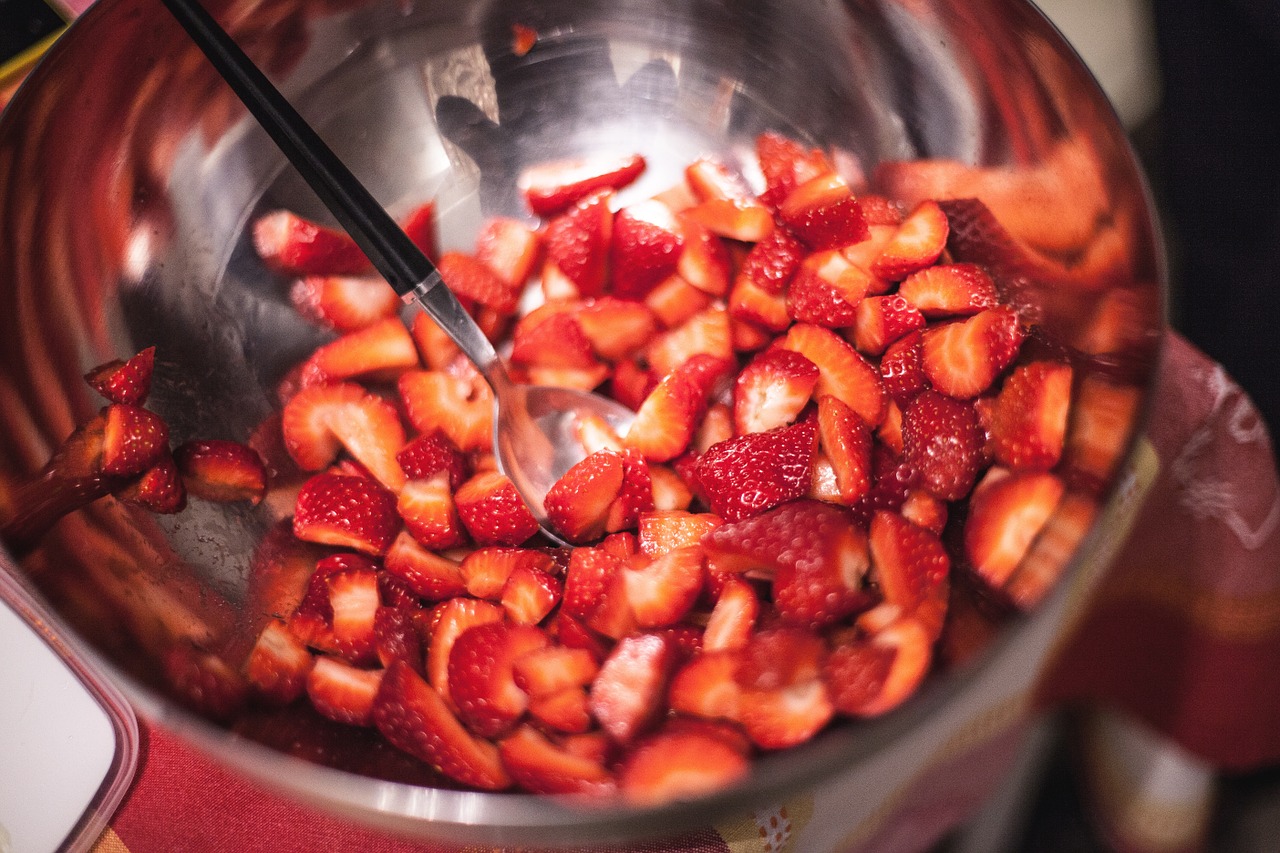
533	426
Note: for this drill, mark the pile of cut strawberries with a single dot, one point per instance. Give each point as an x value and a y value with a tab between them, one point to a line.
836	422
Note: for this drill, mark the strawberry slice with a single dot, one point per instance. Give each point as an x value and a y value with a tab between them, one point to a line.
529	595
772	390
882	320
616	328
916	244
414	718
509	248
133	440
448	621
472	279
492	510
379	351
842	372
396	635
427	574
551	338
709	178
912	567
871	677
429	513
1006	512
826	290
823	213
750	303
544	767
953	290
662	531
733	618
679	765
159	489
481	681
551	188
220	470
704	260
459	406
350	512
577	246
773	261
751	473
552	668
1029	419
635	497
675	300
485	571
902	368
124	381
923	509
430	454
705	333
627	696
666	420
846	440
291	245
962	358
707	686
343	693
785	701
320	421
742	219
648	241
662	590
942	440
815	554
203	681
278	664
420	227
344	303
785	165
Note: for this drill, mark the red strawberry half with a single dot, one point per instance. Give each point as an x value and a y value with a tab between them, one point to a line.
751	473
124	381
351	512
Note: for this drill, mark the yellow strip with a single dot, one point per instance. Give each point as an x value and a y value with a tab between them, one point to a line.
22	63
109	842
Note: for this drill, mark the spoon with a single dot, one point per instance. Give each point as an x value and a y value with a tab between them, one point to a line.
533	426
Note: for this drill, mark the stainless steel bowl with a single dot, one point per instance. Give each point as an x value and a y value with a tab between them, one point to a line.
128	173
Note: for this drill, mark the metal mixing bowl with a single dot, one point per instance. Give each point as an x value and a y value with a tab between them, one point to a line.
128	173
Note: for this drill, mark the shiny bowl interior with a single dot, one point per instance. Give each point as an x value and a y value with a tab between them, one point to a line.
128	173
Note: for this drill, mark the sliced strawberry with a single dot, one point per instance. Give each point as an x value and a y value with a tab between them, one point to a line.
544	767
925	510
447	622
320	421
203	681
459	406
577	249
773	261
420	227
481	682
881	211
916	244
814	553
962	358
124	381
704	260
912	567
591	574
707	686
616	328
567	711
133	440
1029	419
551	338
350	512
662	590
772	390
785	165
354	599
432	453
902	368
379	351
509	248
219	470
342	692
414	718
634	498
473	280
486	571
675	300
627	696
751	473
291	245
493	512
750	303
523	39
733	618
823	213
842	372
429	513
553	187
705	333
663	531
159	489
679	765
278	664
647	244
871	677
1006	512
552	668
780	656
530	594
344	303
716	426
743	219
826	290
785	701
428	574
882	320
846	441
578	503
396	635
709	178
942	440
666	420
953	290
